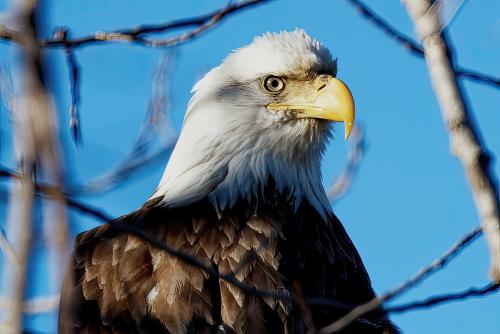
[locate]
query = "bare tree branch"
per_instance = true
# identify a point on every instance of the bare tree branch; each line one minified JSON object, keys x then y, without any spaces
{"x":133,"y":35}
{"x":465,"y":138}
{"x":136,"y":35}
{"x":414,"y":47}
{"x":74,"y":78}
{"x":343,"y":182}
{"x":8,"y":249}
{"x":422,"y":274}
{"x":36,"y":143}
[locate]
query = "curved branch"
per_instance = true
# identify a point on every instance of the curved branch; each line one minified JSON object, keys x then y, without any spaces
{"x":136,"y":35}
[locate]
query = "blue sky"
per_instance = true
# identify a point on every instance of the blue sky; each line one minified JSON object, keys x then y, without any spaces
{"x":410,"y":201}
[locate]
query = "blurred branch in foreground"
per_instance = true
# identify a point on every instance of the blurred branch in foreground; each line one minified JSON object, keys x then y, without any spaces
{"x":35,"y":144}
{"x":8,"y":249}
{"x":465,"y":136}
{"x":414,"y":47}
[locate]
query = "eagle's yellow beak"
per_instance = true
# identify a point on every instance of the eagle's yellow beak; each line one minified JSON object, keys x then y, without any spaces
{"x":330,"y":100}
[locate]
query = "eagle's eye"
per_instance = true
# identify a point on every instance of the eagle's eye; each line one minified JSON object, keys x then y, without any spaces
{"x":274,"y":84}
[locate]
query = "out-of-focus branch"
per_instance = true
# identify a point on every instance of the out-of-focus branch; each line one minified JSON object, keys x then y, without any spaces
{"x":465,"y":138}
{"x":36,"y":305}
{"x":422,"y":274}
{"x":8,"y":250}
{"x":22,"y":193}
{"x":136,"y":35}
{"x":35,"y":143}
{"x":343,"y":182}
{"x":414,"y":47}
{"x":9,"y":35}
{"x":156,"y":125}
{"x":445,"y":298}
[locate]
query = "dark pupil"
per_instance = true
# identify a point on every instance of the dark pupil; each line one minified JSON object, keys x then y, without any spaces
{"x":275,"y":83}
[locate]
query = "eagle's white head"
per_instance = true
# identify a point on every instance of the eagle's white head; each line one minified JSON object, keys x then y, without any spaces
{"x":261,"y":117}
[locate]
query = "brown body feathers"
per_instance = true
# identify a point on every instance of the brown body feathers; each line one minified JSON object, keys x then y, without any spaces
{"x":119,"y":283}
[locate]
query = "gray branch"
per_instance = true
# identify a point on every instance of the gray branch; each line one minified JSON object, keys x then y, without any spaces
{"x":36,"y":144}
{"x":465,"y":138}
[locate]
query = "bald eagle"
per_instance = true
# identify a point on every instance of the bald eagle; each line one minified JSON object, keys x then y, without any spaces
{"x":244,"y":178}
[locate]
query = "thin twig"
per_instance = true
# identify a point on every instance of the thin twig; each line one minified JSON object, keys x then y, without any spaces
{"x":8,"y":249}
{"x":136,"y":35}
{"x":422,"y":274}
{"x":427,"y":303}
{"x":465,"y":136}
{"x":414,"y":47}
{"x":343,"y":182}
{"x":74,"y":78}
